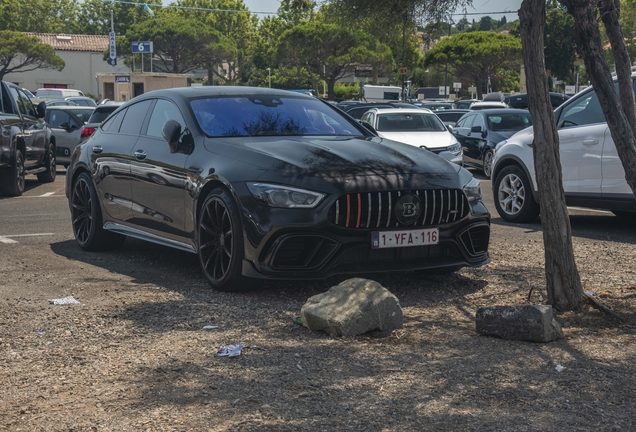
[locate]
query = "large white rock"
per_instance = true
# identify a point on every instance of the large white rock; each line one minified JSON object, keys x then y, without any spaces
{"x":354,"y":307}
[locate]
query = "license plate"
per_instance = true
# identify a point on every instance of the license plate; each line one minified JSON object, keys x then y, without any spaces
{"x":408,"y":238}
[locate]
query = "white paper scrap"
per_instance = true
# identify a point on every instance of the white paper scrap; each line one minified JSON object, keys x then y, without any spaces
{"x":64,"y":301}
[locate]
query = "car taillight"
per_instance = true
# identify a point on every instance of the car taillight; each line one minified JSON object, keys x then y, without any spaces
{"x":87,"y":132}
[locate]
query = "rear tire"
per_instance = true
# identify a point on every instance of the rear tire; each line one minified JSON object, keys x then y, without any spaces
{"x":513,"y":196}
{"x":86,"y":216}
{"x":16,"y":177}
{"x":221,"y":250}
{"x":48,"y":176}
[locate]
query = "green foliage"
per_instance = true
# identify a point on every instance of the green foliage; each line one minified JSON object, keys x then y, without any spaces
{"x":628,"y":25}
{"x":475,"y":56}
{"x":180,"y":44}
{"x":560,"y":46}
{"x":94,"y":16}
{"x":22,"y":53}
{"x":39,"y":16}
{"x":327,"y":51}
{"x":343,"y":91}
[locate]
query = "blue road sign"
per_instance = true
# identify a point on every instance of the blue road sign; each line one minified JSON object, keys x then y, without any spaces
{"x":142,"y":47}
{"x":112,"y":61}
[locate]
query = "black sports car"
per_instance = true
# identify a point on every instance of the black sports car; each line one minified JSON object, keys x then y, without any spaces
{"x":270,"y":184}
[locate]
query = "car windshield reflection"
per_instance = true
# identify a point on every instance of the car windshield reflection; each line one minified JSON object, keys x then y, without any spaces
{"x":268,"y":116}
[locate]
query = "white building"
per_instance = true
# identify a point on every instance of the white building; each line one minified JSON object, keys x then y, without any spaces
{"x":84,"y":57}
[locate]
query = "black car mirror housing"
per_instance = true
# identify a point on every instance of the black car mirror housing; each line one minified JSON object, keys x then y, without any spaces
{"x":475,"y":129}
{"x":171,"y":132}
{"x":41,"y":109}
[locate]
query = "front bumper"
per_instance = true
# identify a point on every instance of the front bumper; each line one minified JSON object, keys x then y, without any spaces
{"x":307,"y":244}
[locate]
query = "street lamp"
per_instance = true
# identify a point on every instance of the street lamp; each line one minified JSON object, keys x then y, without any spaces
{"x":269,"y":76}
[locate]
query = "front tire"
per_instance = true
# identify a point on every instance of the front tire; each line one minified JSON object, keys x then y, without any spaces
{"x":16,"y":177}
{"x":221,"y":249}
{"x":487,"y":163}
{"x":86,"y":215}
{"x":48,"y":176}
{"x":513,"y":196}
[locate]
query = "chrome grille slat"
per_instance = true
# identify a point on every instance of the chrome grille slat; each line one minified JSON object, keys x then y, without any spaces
{"x":369,"y":211}
{"x":388,"y":221}
{"x":379,"y":209}
{"x":438,"y":206}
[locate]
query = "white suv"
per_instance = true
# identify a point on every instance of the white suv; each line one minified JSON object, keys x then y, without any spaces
{"x":593,"y":175}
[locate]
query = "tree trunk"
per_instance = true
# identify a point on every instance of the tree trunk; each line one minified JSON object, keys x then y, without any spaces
{"x":562,"y":277}
{"x":619,"y":112}
{"x":331,"y":84}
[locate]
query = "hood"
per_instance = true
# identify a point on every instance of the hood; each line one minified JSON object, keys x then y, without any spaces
{"x":338,"y":160}
{"x":430,"y":140}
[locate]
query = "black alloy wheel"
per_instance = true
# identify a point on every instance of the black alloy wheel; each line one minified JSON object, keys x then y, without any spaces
{"x":221,"y":250}
{"x":48,"y":176}
{"x":86,"y":217}
{"x":16,"y":174}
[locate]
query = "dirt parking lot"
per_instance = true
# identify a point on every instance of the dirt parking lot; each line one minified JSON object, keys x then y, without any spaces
{"x":133,"y":355}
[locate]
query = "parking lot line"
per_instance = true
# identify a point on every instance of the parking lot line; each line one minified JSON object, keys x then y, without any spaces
{"x":6,"y":240}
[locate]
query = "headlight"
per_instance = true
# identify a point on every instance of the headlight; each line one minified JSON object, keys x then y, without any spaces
{"x":455,"y":149}
{"x":499,"y":145}
{"x":473,"y":190}
{"x":284,"y":196}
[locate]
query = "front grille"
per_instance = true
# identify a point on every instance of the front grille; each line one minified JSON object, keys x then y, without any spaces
{"x":377,"y":209}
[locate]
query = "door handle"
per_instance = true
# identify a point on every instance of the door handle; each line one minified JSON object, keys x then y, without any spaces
{"x":590,"y":142}
{"x":140,"y":154}
{"x":97,"y":149}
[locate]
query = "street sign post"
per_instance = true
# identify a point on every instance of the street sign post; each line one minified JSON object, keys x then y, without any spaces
{"x":112,"y":41}
{"x":142,"y":48}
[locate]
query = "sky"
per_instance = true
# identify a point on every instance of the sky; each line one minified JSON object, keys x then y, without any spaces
{"x":480,"y":7}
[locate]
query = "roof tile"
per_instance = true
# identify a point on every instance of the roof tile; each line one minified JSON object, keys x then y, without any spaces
{"x":74,"y":42}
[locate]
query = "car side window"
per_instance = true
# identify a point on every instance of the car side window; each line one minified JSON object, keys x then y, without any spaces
{"x":479,"y":121}
{"x":163,"y":111}
{"x":24,"y":103}
{"x":134,"y":118}
{"x":57,"y":118}
{"x":113,"y":123}
{"x":584,"y":111}
{"x":468,"y":121}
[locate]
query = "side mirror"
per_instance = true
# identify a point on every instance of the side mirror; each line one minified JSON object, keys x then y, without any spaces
{"x":41,"y":109}
{"x":66,"y":126}
{"x":171,"y":132}
{"x":475,"y":129}
{"x":450,"y":128}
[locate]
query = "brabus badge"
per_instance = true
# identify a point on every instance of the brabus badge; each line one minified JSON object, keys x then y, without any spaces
{"x":407,"y":209}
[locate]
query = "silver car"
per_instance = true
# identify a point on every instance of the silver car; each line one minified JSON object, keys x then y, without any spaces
{"x":66,"y":123}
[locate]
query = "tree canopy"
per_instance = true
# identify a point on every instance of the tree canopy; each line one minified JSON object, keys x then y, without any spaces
{"x":476,"y":56}
{"x":328,"y":51}
{"x":181,"y":45}
{"x":23,"y":53}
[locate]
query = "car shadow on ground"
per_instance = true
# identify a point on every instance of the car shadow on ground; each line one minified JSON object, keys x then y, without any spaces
{"x":179,"y":272}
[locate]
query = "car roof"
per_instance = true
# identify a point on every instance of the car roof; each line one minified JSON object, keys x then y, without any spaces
{"x":453,"y":111}
{"x":72,"y":107}
{"x":401,"y":111}
{"x":502,"y":111}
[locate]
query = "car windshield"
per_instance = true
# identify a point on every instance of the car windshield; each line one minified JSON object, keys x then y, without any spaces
{"x":508,"y":122}
{"x":261,"y":115}
{"x":83,"y":114}
{"x":409,"y":122}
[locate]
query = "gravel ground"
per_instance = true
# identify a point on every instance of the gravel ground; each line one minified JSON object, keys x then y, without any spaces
{"x":133,"y":356}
